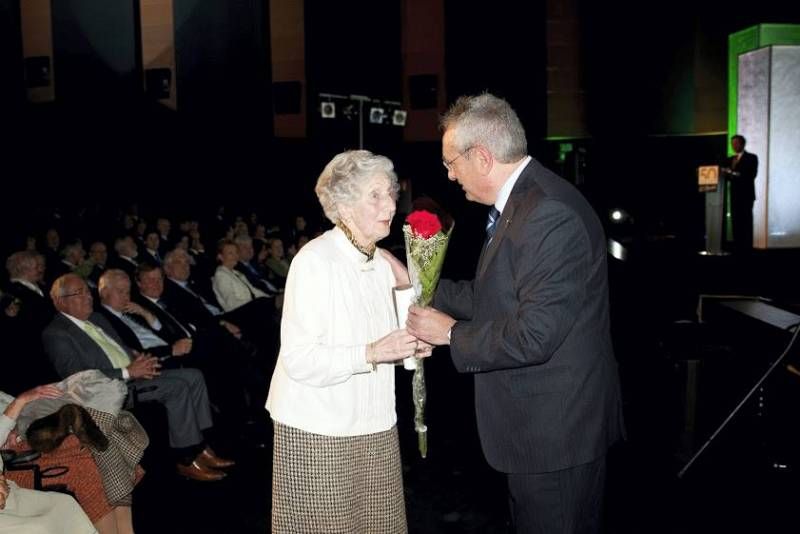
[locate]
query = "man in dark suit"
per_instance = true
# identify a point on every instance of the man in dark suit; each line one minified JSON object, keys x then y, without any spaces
{"x":26,"y":270}
{"x":78,"y":339}
{"x":742,"y":170}
{"x":138,"y":328}
{"x":533,"y":326}
{"x":126,"y":254}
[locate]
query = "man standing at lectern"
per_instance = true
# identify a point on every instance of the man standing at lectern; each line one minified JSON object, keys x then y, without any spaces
{"x":742,"y":170}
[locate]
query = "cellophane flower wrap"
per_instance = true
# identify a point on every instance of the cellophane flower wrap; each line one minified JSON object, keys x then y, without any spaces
{"x":426,"y":244}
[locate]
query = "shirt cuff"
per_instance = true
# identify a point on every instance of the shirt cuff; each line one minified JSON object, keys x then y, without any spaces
{"x":125,"y":374}
{"x":360,"y":363}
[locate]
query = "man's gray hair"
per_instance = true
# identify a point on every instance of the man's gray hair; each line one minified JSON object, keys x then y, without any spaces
{"x":342,"y":179}
{"x":172,"y":255}
{"x":111,"y":278}
{"x":242,"y":238}
{"x":488,"y":121}
{"x":73,"y":246}
{"x":20,"y":262}
{"x":57,"y":289}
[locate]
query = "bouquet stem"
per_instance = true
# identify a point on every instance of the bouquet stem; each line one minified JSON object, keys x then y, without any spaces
{"x":418,"y":393}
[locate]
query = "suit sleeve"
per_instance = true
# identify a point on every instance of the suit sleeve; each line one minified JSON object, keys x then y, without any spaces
{"x":66,"y":357}
{"x":549,"y":274}
{"x":455,"y":298}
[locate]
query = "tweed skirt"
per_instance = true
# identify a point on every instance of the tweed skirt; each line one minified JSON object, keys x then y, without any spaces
{"x":337,"y":485}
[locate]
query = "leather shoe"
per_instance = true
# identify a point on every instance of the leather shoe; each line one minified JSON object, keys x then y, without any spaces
{"x":207,"y":458}
{"x":195,"y":471}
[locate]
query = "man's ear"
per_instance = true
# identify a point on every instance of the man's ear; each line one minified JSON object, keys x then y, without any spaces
{"x":484,"y":158}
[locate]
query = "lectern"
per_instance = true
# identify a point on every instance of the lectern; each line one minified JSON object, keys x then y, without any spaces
{"x":710,"y":184}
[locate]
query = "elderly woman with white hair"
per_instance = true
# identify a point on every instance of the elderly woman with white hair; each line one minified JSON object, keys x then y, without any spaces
{"x":336,"y":458}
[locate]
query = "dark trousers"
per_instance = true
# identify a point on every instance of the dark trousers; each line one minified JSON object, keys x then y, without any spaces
{"x":183,"y":393}
{"x":742,"y":224}
{"x":569,"y":501}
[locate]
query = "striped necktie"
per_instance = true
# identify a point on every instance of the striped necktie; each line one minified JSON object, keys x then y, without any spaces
{"x":491,"y":223}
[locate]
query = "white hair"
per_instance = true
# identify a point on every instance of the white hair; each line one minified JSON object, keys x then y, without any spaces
{"x":341,"y":180}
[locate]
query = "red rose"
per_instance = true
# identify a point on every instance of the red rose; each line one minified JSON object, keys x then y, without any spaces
{"x":424,"y":223}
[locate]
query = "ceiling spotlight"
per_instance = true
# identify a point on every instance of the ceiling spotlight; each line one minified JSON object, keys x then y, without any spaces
{"x":328,"y":110}
{"x":377,"y":115}
{"x":618,"y":216}
{"x":399,"y":117}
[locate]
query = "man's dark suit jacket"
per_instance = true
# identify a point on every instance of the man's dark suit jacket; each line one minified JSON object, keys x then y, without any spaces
{"x":23,"y":340}
{"x":115,"y":262}
{"x":743,"y":188}
{"x":534,"y":330}
{"x":172,"y":328}
{"x":129,"y":337}
{"x":186,"y":307}
{"x":71,"y":350}
{"x":36,"y":311}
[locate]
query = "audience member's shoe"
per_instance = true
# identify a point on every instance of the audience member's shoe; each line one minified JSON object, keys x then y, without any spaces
{"x":207,"y":458}
{"x":195,"y":471}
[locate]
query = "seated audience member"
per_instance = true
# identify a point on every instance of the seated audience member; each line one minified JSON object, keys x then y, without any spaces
{"x":71,"y":261}
{"x":151,"y":253}
{"x":244,"y":246}
{"x":34,"y":311}
{"x":98,"y":255}
{"x":231,"y":287}
{"x":277,"y":265}
{"x":137,"y":327}
{"x":78,"y":339}
{"x":146,"y":325}
{"x":28,"y":511}
{"x":165,"y":239}
{"x":127,"y":252}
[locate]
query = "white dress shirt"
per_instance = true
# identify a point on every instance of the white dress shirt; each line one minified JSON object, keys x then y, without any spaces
{"x":335,"y":304}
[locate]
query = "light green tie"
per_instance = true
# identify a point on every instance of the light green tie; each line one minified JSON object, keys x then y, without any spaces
{"x":119,"y":359}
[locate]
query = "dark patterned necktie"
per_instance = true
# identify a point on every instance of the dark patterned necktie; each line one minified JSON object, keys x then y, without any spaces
{"x":491,"y":223}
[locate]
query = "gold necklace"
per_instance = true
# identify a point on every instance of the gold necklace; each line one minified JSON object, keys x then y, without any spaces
{"x":368,"y":252}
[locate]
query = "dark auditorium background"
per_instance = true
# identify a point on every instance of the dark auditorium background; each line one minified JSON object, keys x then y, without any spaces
{"x":625,"y":100}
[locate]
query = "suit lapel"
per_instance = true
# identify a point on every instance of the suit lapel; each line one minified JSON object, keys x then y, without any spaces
{"x":525,"y":181}
{"x":491,"y":249}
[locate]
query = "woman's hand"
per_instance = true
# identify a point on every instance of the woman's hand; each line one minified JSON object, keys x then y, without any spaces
{"x":49,"y":391}
{"x":392,"y":347}
{"x":399,"y":270}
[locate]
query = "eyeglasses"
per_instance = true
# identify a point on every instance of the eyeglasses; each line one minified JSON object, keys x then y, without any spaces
{"x":449,"y":164}
{"x":76,"y":294}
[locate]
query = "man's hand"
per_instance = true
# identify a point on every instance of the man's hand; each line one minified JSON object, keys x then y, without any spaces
{"x":182,"y":347}
{"x":232,"y":328}
{"x":135,"y":309}
{"x":429,"y":325}
{"x":144,"y":366}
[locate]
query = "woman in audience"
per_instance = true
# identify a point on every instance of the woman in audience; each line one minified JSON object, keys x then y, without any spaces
{"x":25,"y":511}
{"x":336,"y":458}
{"x":83,"y":477}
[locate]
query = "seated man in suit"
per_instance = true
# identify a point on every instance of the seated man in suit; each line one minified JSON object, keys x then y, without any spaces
{"x":137,"y":327}
{"x":78,"y":339}
{"x":35,"y":311}
{"x":244,"y":245}
{"x":148,"y":327}
{"x":127,"y":252}
{"x":26,"y":273}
